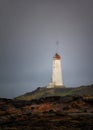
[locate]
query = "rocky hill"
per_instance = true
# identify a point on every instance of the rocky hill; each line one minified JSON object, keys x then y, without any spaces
{"x":47,"y":92}
{"x":48,"y":113}
{"x":49,"y":109}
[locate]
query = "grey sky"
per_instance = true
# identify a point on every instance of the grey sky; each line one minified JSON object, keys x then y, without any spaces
{"x":29,"y":30}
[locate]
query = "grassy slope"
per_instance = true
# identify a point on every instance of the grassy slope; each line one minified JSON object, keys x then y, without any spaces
{"x":45,"y":92}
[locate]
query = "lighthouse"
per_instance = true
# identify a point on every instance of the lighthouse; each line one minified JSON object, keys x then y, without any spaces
{"x":56,"y":72}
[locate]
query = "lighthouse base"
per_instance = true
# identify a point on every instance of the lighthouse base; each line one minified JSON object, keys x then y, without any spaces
{"x":53,"y":85}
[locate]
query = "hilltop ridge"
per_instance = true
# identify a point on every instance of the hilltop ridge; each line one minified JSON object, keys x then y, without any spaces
{"x":41,"y":92}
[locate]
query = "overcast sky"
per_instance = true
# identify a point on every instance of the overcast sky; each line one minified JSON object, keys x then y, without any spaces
{"x":29,"y":30}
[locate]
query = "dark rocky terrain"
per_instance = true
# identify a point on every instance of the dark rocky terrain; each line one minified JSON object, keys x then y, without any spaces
{"x":47,"y":113}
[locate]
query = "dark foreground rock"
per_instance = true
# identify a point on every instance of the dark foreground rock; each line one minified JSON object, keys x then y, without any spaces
{"x":50,"y":113}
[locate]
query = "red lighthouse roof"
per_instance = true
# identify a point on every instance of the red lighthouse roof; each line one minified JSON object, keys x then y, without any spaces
{"x":57,"y":56}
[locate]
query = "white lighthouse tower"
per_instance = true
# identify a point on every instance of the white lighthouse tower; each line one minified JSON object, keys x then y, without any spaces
{"x":56,"y":72}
